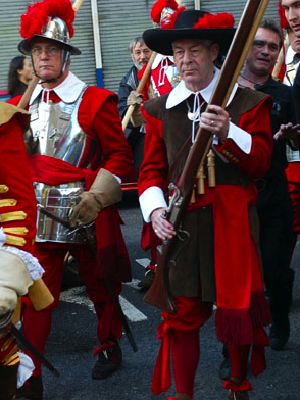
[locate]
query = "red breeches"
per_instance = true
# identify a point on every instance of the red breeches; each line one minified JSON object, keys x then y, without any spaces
{"x":37,"y":324}
{"x":179,"y":334}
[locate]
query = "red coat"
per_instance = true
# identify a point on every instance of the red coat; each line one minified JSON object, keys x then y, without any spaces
{"x":16,"y":190}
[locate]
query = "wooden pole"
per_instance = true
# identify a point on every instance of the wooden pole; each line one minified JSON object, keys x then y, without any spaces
{"x":139,"y":89}
{"x":24,"y":101}
{"x":76,"y":5}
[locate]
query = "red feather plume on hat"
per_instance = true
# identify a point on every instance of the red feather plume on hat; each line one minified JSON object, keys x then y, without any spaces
{"x":159,"y":6}
{"x":215,"y":21}
{"x":32,"y":22}
{"x":284,"y":23}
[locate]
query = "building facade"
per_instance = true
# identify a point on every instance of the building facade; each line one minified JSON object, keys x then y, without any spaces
{"x":103,"y":30}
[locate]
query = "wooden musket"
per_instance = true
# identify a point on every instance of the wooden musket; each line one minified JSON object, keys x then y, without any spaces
{"x":160,"y":294}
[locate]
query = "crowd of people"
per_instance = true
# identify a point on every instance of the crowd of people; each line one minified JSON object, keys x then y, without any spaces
{"x":239,"y":222}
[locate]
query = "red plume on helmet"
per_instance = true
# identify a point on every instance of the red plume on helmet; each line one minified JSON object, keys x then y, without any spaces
{"x":173,"y":10}
{"x":33,"y":22}
{"x":284,"y":23}
{"x":159,"y":5}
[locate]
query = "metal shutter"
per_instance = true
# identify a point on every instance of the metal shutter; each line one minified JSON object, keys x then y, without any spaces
{"x":83,"y":65}
{"x":236,"y":7}
{"x":9,"y":34}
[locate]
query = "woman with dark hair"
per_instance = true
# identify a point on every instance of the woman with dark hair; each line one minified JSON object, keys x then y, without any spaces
{"x":19,"y":75}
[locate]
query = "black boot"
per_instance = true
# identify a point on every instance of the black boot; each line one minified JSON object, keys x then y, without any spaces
{"x":280,"y":301}
{"x":279,"y":333}
{"x":148,"y":279}
{"x":32,"y":389}
{"x":238,"y":395}
{"x":225,"y":366}
{"x":109,"y":359}
{"x":8,"y":382}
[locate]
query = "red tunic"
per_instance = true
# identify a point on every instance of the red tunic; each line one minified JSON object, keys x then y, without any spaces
{"x":16,"y":190}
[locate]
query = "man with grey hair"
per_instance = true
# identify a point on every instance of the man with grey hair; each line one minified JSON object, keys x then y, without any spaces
{"x":140,"y":54}
{"x":77,"y":144}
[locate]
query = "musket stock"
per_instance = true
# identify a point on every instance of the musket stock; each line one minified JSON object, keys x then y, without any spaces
{"x":159,"y":293}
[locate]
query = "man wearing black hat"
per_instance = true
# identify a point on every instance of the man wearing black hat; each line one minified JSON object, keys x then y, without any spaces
{"x":79,"y":155}
{"x":220,"y":261}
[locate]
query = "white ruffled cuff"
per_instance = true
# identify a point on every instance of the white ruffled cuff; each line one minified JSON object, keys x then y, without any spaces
{"x":25,"y":369}
{"x":35,"y":269}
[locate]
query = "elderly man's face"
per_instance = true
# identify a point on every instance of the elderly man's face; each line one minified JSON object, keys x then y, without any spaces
{"x":195,"y":62}
{"x":292,"y":13}
{"x":47,"y":59}
{"x":140,"y":55}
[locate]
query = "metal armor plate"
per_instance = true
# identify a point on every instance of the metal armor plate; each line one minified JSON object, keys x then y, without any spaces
{"x":58,"y":200}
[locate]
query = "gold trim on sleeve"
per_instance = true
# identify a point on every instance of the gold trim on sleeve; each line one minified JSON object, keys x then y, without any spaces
{"x":7,"y":202}
{"x":13,"y":216}
{"x":16,"y":230}
{"x":4,"y":189}
{"x":15,"y":240}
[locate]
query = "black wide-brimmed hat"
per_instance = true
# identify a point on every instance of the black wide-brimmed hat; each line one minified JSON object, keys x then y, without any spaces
{"x":193,"y":24}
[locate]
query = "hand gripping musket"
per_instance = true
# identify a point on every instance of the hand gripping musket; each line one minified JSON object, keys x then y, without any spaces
{"x":160,"y":294}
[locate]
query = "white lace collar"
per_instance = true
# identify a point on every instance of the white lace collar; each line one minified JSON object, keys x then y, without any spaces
{"x":69,"y":90}
{"x":180,"y":93}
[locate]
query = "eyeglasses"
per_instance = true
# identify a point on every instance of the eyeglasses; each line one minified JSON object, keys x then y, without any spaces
{"x":259,"y":44}
{"x":50,"y":51}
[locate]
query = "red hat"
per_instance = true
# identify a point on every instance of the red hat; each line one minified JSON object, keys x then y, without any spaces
{"x":284,"y":23}
{"x":165,"y":12}
{"x":50,"y":19}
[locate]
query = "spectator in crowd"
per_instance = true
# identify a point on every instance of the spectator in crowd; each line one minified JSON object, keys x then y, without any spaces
{"x":135,"y":133}
{"x":20,"y":74}
{"x":274,"y":205}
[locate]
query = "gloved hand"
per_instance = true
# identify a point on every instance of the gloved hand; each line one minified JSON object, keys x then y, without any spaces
{"x":104,"y":192}
{"x":134,"y":98}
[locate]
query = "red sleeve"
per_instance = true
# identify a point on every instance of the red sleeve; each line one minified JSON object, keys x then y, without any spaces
{"x":257,"y":123}
{"x":15,"y":175}
{"x":99,"y":117}
{"x":153,"y":171}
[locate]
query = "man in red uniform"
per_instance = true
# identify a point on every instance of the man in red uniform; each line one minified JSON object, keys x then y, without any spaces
{"x":18,"y":269}
{"x":77,"y":148}
{"x":220,"y":261}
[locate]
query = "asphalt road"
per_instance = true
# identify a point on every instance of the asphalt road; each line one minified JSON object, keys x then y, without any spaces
{"x":73,"y":338}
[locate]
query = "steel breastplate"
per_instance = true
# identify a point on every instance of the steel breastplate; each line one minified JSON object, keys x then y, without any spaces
{"x":56,"y":132}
